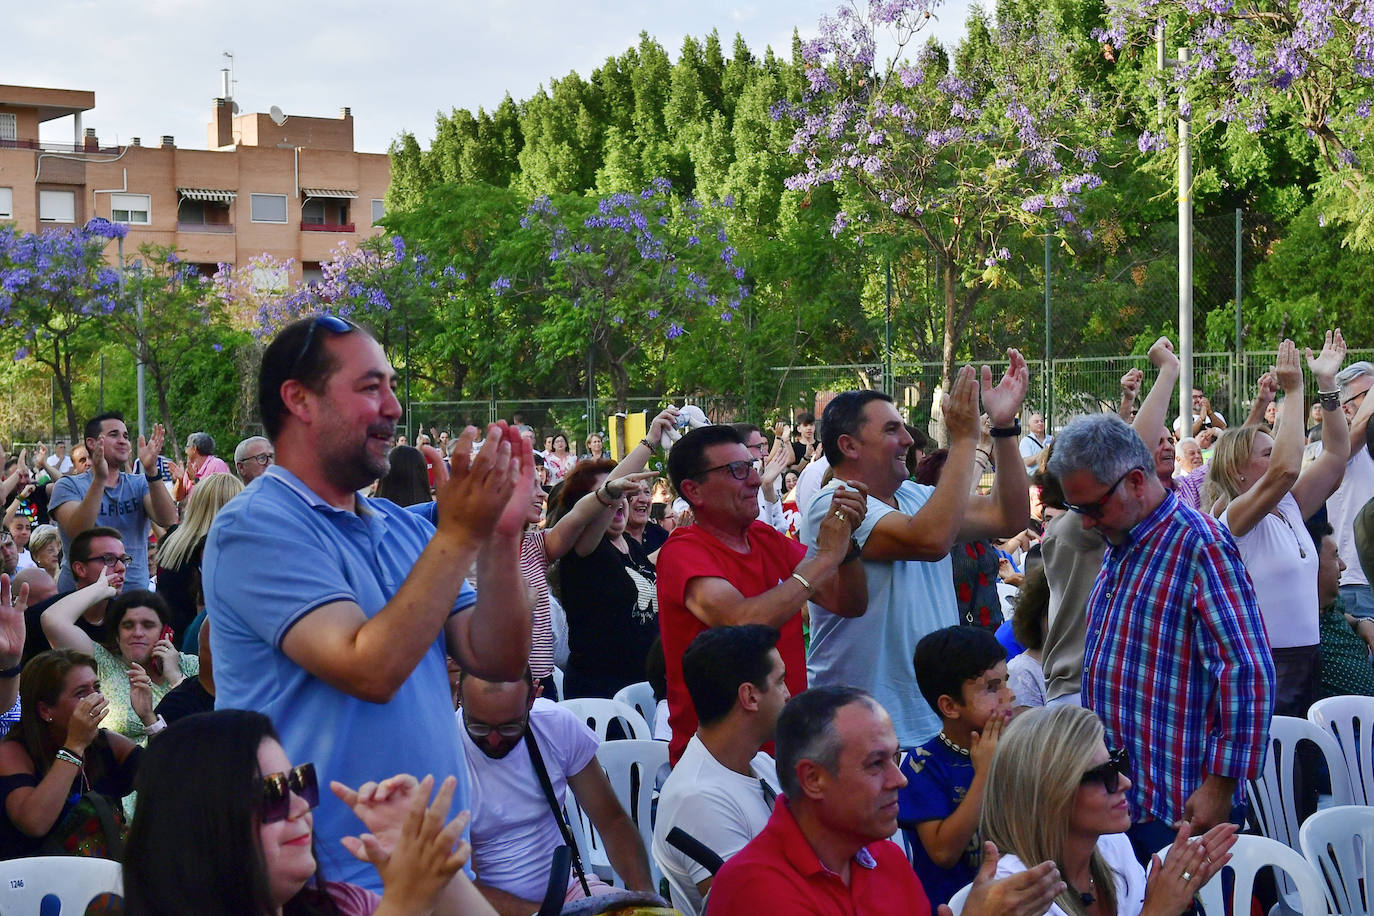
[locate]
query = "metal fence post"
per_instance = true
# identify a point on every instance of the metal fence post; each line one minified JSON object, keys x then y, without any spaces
{"x":1047,"y":373}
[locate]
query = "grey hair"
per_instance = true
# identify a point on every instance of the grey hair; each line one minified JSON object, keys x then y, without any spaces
{"x":1350,"y":373}
{"x":202,"y":442}
{"x":806,"y":731}
{"x":1101,"y":443}
{"x":242,"y":450}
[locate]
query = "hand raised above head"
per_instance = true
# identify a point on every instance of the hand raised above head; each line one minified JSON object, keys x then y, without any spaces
{"x":1162,"y":354}
{"x":960,"y":406}
{"x":1325,"y":365}
{"x":1003,"y":402}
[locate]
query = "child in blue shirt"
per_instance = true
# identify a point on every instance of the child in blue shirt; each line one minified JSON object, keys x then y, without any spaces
{"x":962,"y":673}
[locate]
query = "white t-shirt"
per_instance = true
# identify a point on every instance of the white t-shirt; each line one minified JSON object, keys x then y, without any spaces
{"x":1116,"y":850}
{"x":1281,"y":559}
{"x":512,"y":829}
{"x":809,"y":481}
{"x":721,"y":808}
{"x":1356,"y":489}
{"x":1027,"y":680}
{"x":1030,"y":446}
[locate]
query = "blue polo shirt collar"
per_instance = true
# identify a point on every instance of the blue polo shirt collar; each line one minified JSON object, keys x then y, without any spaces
{"x":312,"y":499}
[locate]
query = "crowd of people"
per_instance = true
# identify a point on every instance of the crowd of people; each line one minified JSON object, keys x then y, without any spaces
{"x":1032,"y":660}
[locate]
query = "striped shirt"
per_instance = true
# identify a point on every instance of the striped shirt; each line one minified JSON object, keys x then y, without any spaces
{"x":1177,"y":662}
{"x":534,"y":569}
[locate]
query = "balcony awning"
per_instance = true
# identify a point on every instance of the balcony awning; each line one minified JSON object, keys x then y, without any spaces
{"x":210,"y":194}
{"x":329,"y":192}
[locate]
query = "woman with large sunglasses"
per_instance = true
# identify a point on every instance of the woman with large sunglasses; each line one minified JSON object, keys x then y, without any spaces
{"x":1054,"y":792}
{"x":223,"y":828}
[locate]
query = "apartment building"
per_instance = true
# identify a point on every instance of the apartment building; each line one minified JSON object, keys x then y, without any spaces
{"x":286,"y":185}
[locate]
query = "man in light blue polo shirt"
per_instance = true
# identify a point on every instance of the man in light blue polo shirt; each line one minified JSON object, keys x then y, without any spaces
{"x":907,"y":533}
{"x":331,"y":613}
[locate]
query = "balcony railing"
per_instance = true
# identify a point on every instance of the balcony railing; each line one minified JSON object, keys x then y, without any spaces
{"x":327,"y":227}
{"x":217,"y":228}
{"x":54,"y":147}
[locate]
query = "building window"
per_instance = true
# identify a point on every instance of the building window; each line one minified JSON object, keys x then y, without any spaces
{"x":130,"y":208}
{"x":269,"y":208}
{"x":9,"y":126}
{"x":312,"y":212}
{"x":6,"y":203}
{"x":57,"y":206}
{"x":378,"y":210}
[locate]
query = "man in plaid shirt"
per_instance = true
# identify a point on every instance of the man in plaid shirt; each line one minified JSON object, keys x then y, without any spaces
{"x":1177,"y":663}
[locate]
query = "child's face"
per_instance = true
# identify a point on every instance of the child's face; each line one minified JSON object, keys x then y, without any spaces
{"x":986,"y":696}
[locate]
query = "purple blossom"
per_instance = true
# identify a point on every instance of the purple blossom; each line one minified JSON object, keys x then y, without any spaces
{"x":674,"y":331}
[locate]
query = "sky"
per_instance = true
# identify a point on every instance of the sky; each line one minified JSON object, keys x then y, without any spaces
{"x":154,"y":65}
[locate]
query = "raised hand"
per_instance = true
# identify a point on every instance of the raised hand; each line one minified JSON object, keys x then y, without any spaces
{"x":1287,"y":369}
{"x":1325,"y":366}
{"x":100,"y":467}
{"x":382,"y":807}
{"x":662,"y":425}
{"x":472,"y":500}
{"x":1267,"y":387}
{"x":141,"y":693}
{"x":1003,"y":403}
{"x":424,"y":859}
{"x":149,"y":449}
{"x":1027,"y":893}
{"x":629,"y":484}
{"x":512,"y":521}
{"x":1162,"y":354}
{"x":1130,"y":383}
{"x":12,"y":627}
{"x":779,"y":457}
{"x":960,"y":406}
{"x":1172,"y":884}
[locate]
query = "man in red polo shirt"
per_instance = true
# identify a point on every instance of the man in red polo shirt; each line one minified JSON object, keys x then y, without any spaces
{"x":729,"y":569}
{"x":825,"y":850}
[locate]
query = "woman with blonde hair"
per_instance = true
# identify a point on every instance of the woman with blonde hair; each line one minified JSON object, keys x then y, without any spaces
{"x":1257,"y":487}
{"x":1054,"y":792}
{"x":45,"y":546}
{"x":178,"y":559}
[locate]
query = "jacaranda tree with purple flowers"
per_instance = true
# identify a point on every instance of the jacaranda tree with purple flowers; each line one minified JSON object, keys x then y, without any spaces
{"x":56,"y":289}
{"x":955,"y":162}
{"x":1307,"y":64}
{"x":625,"y":275}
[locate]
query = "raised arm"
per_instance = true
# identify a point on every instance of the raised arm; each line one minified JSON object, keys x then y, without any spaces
{"x":1006,"y":511}
{"x":1154,"y":412}
{"x":158,"y":503}
{"x":637,"y":458}
{"x":59,"y":620}
{"x":1265,"y":393}
{"x":1323,"y":475}
{"x":929,"y":534}
{"x":12,"y":633}
{"x":1249,"y":508}
{"x":75,"y":517}
{"x":583,"y":526}
{"x":369,"y":658}
{"x":1130,"y":393}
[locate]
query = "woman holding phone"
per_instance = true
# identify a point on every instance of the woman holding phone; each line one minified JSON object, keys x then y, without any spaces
{"x":138,"y":662}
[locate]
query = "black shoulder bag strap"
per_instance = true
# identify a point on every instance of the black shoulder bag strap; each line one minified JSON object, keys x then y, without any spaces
{"x":537,"y":760}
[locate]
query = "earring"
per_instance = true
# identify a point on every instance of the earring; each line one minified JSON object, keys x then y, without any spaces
{"x":1242,"y":478}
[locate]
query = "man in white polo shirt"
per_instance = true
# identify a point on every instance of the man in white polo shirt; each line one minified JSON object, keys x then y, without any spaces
{"x":721,"y":792}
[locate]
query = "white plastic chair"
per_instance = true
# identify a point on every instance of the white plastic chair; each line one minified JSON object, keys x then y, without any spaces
{"x":640,"y":698}
{"x":599,"y":713}
{"x":73,"y":881}
{"x":1350,"y":720}
{"x":1273,"y":796}
{"x":631,"y":767}
{"x":1339,"y":842}
{"x":558,"y":680}
{"x":1248,"y":856}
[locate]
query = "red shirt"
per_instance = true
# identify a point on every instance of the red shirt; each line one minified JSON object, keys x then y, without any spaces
{"x":690,"y":553}
{"x":779,"y":872}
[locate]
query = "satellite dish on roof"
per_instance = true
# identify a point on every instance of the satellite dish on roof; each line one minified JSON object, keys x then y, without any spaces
{"x":234,"y":106}
{"x":275,"y":113}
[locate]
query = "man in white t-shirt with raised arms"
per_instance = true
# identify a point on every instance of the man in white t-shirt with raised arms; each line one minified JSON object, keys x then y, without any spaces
{"x":1357,"y":487}
{"x":513,"y":830}
{"x":721,"y":792}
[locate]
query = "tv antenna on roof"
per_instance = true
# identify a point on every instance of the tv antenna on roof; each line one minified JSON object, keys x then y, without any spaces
{"x":230,"y":84}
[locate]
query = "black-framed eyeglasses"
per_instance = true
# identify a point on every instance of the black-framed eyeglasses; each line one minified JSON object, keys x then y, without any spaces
{"x":1109,"y":773}
{"x":277,"y":789}
{"x":331,"y":323}
{"x":108,"y":560}
{"x":738,"y":469}
{"x":1094,"y":510}
{"x":506,"y":730}
{"x":1354,"y":397}
{"x":262,"y":460}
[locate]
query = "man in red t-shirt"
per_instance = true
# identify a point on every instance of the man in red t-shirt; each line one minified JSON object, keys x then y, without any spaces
{"x":730,"y":569}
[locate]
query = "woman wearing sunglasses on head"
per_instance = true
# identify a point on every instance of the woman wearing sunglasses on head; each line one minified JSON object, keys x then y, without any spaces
{"x":1055,"y":792}
{"x":223,"y":828}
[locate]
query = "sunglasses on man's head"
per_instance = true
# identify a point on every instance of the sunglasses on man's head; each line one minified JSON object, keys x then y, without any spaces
{"x":1109,"y":773}
{"x":277,"y":789}
{"x":331,"y":323}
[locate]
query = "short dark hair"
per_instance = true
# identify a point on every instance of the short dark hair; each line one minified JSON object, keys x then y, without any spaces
{"x":843,"y":417}
{"x":279,"y":365}
{"x":1318,"y":527}
{"x":719,"y":659}
{"x":1032,"y":604}
{"x":92,"y":428}
{"x":946,"y":658}
{"x":806,"y":731}
{"x":685,"y":459}
{"x":124,"y":602}
{"x":744,"y":429}
{"x":80,"y":549}
{"x":805,"y":417}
